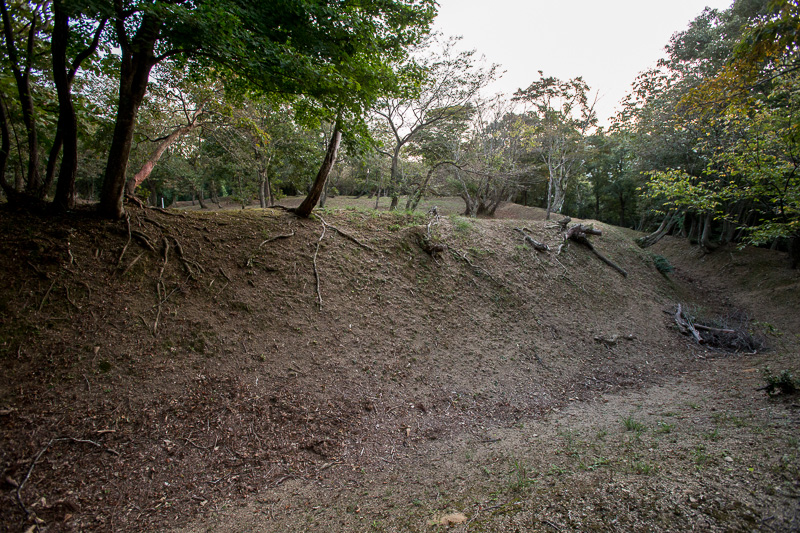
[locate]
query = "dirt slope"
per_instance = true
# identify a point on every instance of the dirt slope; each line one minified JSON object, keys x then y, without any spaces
{"x":145,"y":388}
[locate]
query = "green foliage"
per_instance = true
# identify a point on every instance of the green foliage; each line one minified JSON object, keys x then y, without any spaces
{"x":783,"y":383}
{"x":729,"y":94}
{"x":662,"y":264}
{"x":632,"y":424}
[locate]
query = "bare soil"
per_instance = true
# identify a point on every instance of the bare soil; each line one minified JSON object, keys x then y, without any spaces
{"x":252,"y":373}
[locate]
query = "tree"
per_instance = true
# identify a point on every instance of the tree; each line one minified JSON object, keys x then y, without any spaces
{"x":178,"y":106}
{"x":452,"y":80}
{"x":562,"y":115}
{"x":337,"y":55}
{"x":751,"y":182}
{"x":671,"y":136}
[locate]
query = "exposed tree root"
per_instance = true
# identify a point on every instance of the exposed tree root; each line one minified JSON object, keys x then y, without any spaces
{"x":578,"y":234}
{"x":276,"y":237}
{"x":314,"y":262}
{"x":363,"y":245}
{"x":142,"y":238}
{"x":124,"y":248}
{"x":463,"y":257}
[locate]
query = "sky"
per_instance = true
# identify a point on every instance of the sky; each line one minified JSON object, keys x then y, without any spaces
{"x":608,"y":42}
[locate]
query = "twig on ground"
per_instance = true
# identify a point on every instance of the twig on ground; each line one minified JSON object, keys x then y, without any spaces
{"x":46,"y":294}
{"x":130,"y":265}
{"x":36,"y":269}
{"x":224,"y":275}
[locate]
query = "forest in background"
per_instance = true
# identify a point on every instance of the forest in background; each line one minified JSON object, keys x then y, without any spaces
{"x":167,"y":101}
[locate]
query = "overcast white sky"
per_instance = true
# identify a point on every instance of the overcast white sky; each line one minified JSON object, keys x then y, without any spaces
{"x":608,"y":42}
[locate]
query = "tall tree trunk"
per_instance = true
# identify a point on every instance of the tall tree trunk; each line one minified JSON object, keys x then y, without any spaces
{"x":22,"y":78}
{"x":692,"y":235}
{"x":5,"y":150}
{"x":67,"y":132}
{"x":327,"y":164}
{"x":262,"y":192}
{"x":794,"y":251}
{"x":136,"y":63}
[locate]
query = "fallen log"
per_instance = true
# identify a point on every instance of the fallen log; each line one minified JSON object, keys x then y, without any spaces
{"x":538,"y":246}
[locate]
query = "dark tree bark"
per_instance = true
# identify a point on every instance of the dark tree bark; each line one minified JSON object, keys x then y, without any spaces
{"x":705,"y":238}
{"x":665,"y":227}
{"x":67,"y":129}
{"x":327,"y":164}
{"x":794,"y":251}
{"x":5,"y":151}
{"x":22,"y":78}
{"x":137,"y":60}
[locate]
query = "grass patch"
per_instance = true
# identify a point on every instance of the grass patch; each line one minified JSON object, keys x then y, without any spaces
{"x":632,"y":424}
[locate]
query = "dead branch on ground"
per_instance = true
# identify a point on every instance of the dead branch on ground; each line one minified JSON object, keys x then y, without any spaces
{"x":46,"y":294}
{"x":734,"y":335}
{"x":685,"y":325}
{"x":538,"y":246}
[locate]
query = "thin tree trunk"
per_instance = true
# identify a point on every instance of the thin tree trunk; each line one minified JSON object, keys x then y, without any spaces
{"x":414,"y":199}
{"x":262,"y":193}
{"x":705,"y":239}
{"x":327,"y":164}
{"x":665,"y":227}
{"x":5,"y":150}
{"x":22,"y":78}
{"x":67,"y":132}
{"x":149,"y":165}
